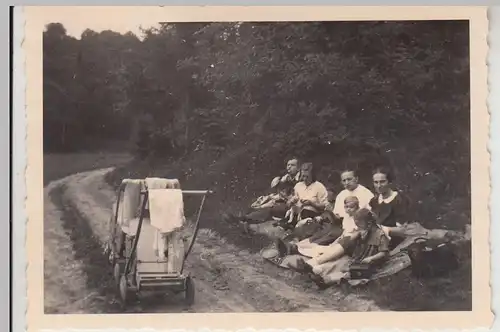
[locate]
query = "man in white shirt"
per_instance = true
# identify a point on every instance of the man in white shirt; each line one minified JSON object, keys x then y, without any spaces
{"x":350,"y":180}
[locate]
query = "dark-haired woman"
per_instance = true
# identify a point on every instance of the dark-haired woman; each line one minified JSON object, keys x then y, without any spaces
{"x":389,"y":205}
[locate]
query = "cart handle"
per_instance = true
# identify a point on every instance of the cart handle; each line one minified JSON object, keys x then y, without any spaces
{"x":136,"y":238}
{"x":195,"y":233}
{"x":198,"y":192}
{"x":188,"y":192}
{"x":118,"y":198}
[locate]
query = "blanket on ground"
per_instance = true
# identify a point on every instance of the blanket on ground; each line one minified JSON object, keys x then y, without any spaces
{"x":336,"y":271}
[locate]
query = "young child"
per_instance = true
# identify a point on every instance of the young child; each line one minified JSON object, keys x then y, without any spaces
{"x":367,"y":245}
{"x":372,"y":244}
{"x":351,"y":206}
{"x":322,"y":235}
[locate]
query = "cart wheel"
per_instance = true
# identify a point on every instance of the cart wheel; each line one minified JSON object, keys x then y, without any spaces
{"x":189,"y":292}
{"x":116,"y":275}
{"x":123,"y":290}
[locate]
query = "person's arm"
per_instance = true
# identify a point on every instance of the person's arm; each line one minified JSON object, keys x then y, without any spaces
{"x":401,"y":208}
{"x":367,"y":198}
{"x":375,"y":258}
{"x":322,"y":199}
{"x":293,"y":199}
{"x":383,"y":251}
{"x":338,"y":208}
{"x":268,"y":203}
{"x":285,"y":178}
{"x":398,"y":231}
{"x":259,"y":201}
{"x":317,"y":205}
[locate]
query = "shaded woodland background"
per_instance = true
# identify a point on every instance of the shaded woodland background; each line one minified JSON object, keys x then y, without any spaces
{"x":229,"y":102}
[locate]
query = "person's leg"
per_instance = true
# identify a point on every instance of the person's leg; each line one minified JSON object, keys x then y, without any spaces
{"x":303,"y":215}
{"x":334,"y":252}
{"x":395,"y":241}
{"x":331,"y":253}
{"x":258,"y":216}
{"x":308,"y":214}
{"x":285,"y":248}
{"x":321,"y":232}
{"x":328,"y":235}
{"x":397,"y":231}
{"x":345,"y":245}
{"x":306,"y":231}
{"x":279,"y":210}
{"x":326,"y":240}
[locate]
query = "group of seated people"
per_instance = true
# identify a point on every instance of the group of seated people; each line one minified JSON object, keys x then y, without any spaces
{"x":356,"y":222}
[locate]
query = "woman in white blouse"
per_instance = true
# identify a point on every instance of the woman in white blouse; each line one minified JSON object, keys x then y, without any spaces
{"x":310,"y":196}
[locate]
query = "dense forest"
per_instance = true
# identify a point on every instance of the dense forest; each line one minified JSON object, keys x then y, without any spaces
{"x":247,"y":95}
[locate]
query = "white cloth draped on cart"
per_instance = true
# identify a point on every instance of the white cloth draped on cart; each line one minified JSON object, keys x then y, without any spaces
{"x":166,"y":209}
{"x":161,"y":183}
{"x":130,"y":202}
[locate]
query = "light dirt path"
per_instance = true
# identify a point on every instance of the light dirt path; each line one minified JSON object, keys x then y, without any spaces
{"x":227,"y":278}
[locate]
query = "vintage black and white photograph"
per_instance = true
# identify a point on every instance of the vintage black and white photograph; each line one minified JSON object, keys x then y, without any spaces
{"x":246,"y":166}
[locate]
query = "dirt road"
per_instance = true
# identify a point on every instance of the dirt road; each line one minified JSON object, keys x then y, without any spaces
{"x":227,"y":278}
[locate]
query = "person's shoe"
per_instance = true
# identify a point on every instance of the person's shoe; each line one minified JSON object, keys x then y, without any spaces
{"x":280,"y":223}
{"x":284,"y":224}
{"x":302,"y":266}
{"x":282,"y":247}
{"x":318,"y":280}
{"x":292,"y":249}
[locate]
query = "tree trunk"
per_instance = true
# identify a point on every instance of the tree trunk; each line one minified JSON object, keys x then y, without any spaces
{"x":186,"y":121}
{"x":63,"y":135}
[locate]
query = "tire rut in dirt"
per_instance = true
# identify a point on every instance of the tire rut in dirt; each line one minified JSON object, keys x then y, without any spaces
{"x":244,"y":274}
{"x":88,"y":250}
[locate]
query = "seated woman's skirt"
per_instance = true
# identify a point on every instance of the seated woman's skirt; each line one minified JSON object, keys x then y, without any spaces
{"x":319,"y":233}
